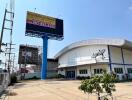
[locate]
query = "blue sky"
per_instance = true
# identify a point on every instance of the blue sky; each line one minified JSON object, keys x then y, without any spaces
{"x":83,"y":19}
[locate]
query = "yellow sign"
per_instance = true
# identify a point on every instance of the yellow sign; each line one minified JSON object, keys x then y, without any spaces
{"x":41,"y":20}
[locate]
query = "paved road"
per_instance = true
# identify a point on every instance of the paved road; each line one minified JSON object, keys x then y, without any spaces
{"x":61,"y":90}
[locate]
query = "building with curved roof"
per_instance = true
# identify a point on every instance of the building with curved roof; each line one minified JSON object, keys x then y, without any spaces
{"x":89,"y":57}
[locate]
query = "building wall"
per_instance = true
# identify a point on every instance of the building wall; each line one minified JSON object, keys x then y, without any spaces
{"x":115,"y":54}
{"x":121,"y":58}
{"x":90,"y":69}
{"x":52,"y":68}
{"x":84,"y":67}
{"x":82,"y":55}
{"x":128,"y":66}
{"x":61,"y":71}
{"x":127,"y":56}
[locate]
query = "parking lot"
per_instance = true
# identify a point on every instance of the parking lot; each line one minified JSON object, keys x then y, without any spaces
{"x":61,"y":90}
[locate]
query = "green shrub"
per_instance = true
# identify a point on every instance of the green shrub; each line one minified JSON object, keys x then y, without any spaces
{"x":83,"y":77}
{"x":33,"y":78}
{"x":99,"y":84}
{"x":13,"y":79}
{"x":60,"y":76}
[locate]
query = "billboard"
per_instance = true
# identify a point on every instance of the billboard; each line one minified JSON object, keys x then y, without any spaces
{"x":37,"y":25}
{"x":28,"y":55}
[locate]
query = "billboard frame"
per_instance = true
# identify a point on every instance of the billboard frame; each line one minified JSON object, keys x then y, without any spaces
{"x":39,"y":34}
{"x":24,"y":59}
{"x":49,"y":32}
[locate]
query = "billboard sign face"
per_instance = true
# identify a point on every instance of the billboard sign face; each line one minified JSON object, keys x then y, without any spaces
{"x":38,"y":25}
{"x":28,"y":55}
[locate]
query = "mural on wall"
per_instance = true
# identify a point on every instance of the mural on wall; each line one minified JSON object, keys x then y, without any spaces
{"x":99,"y":53}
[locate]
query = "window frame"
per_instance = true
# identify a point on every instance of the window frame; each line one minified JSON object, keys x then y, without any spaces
{"x":98,"y":71}
{"x":83,"y":71}
{"x":129,"y":71}
{"x":118,"y":70}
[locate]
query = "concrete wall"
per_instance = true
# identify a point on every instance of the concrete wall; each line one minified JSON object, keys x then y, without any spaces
{"x":82,"y":58}
{"x":82,"y":55}
{"x":119,"y":55}
{"x":61,"y":71}
{"x":52,"y":68}
{"x":127,"y":56}
{"x":4,"y":81}
{"x":115,"y":54}
{"x":31,"y":75}
{"x":128,"y":66}
{"x":90,"y":69}
{"x":84,"y":67}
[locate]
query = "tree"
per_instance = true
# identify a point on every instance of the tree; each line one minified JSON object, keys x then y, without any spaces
{"x":99,"y":84}
{"x":92,"y":86}
{"x":108,"y":82}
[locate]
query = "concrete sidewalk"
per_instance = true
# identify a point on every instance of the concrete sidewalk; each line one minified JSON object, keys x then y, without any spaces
{"x":61,"y":90}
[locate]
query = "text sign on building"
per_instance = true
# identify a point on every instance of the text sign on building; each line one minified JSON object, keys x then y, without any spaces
{"x":38,"y":25}
{"x":28,"y":55}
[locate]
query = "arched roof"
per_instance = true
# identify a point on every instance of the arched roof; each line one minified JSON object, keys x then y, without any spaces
{"x":113,"y":42}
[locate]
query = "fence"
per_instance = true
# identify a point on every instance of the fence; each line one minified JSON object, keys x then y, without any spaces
{"x":4,"y":81}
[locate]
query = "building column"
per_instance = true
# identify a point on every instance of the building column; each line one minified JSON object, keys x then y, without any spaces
{"x":109,"y":58}
{"x":123,"y":60}
{"x":44,"y":59}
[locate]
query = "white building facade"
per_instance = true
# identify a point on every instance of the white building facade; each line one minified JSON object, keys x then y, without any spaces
{"x":90,"y":57}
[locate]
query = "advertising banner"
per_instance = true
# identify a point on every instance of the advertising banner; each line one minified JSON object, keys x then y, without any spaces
{"x":38,"y":25}
{"x":28,"y":55}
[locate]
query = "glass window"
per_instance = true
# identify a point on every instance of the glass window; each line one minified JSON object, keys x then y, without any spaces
{"x":129,"y":70}
{"x":118,"y":70}
{"x":84,"y":71}
{"x":98,"y":71}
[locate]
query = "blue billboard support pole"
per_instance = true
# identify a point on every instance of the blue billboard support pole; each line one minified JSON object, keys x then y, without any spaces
{"x":44,"y":58}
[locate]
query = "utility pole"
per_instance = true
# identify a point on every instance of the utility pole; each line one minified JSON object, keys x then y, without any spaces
{"x":13,"y":61}
{"x":9,"y":53}
{"x":5,"y":28}
{"x":3,"y":25}
{"x":25,"y":61}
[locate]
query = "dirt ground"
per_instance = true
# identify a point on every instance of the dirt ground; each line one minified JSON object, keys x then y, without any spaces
{"x":61,"y":90}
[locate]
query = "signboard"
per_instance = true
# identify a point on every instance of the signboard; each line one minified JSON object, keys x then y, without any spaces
{"x":38,"y":25}
{"x":28,"y":55}
{"x":24,"y":53}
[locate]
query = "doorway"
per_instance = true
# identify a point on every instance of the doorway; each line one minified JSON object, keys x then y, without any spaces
{"x":70,"y":74}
